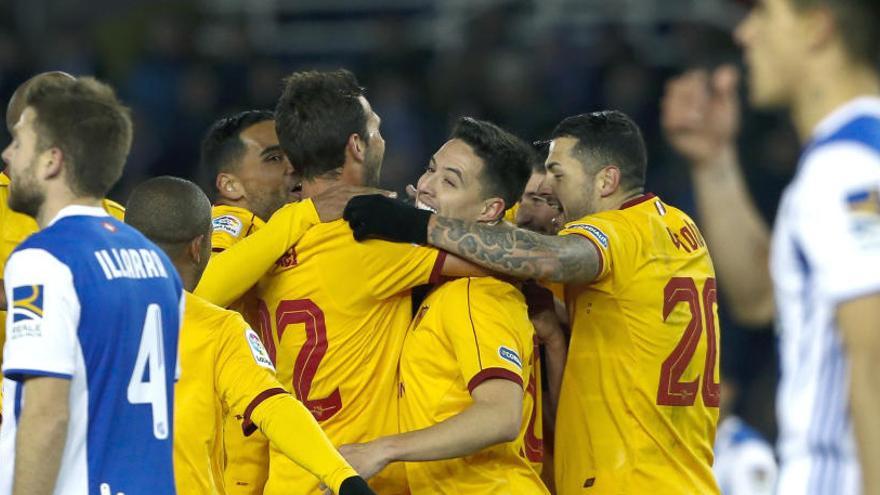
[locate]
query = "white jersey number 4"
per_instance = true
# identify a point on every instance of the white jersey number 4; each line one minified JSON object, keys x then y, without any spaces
{"x":152,"y":391}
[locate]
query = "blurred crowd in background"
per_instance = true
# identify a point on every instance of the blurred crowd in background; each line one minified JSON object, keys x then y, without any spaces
{"x":524,"y":64}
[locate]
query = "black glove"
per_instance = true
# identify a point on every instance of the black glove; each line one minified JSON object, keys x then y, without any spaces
{"x":355,"y":486}
{"x":375,"y":215}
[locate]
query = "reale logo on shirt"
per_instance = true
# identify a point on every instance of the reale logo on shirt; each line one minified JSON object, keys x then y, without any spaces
{"x":27,"y":311}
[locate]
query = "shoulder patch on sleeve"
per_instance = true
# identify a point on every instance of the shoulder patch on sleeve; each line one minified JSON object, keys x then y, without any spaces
{"x":863,"y":208}
{"x":227,"y":223}
{"x":509,"y":355}
{"x":593,"y":230}
{"x":258,"y":350}
{"x":27,"y":311}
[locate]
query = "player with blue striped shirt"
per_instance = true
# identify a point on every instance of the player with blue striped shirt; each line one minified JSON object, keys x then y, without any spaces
{"x":818,"y":59}
{"x":94,"y":311}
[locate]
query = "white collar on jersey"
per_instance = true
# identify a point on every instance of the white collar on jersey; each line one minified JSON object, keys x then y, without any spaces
{"x":844,"y":113}
{"x":80,"y":210}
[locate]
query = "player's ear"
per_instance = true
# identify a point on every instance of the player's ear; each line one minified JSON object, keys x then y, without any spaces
{"x":229,"y":187}
{"x":493,"y":210}
{"x":356,"y":147}
{"x":608,"y":180}
{"x":52,"y":161}
{"x":199,"y":249}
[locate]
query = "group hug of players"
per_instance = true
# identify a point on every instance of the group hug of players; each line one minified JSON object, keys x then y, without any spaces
{"x":368,"y":338}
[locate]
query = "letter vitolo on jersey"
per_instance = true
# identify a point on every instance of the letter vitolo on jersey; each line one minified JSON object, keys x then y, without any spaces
{"x":130,"y":263}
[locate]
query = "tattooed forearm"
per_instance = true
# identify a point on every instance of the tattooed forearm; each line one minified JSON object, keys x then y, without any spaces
{"x":516,"y":252}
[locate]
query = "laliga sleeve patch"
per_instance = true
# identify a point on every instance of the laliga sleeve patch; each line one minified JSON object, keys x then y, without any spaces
{"x":594,"y":232}
{"x":509,"y":355}
{"x":257,"y":349}
{"x":27,"y":311}
{"x":228,"y":224}
{"x":863,"y":209}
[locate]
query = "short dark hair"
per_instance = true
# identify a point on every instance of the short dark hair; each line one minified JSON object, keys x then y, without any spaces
{"x":84,"y":119}
{"x":611,"y":138}
{"x":315,"y":116}
{"x":858,"y":22}
{"x":541,"y":148}
{"x":169,"y":211}
{"x":506,"y":158}
{"x":222,"y":146}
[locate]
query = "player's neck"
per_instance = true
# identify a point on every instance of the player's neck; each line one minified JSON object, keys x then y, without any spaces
{"x":243,"y":204}
{"x":57,"y":201}
{"x":826,"y":90}
{"x":316,"y":186}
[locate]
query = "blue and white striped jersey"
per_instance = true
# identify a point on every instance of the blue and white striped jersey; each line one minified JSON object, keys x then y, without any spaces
{"x":826,"y":250}
{"x":92,"y":300}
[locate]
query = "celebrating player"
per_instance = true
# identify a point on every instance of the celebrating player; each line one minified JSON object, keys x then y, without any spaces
{"x":94,"y":310}
{"x":468,"y":353}
{"x":639,"y":400}
{"x":335,"y":310}
{"x":818,"y":59}
{"x":252,"y":179}
{"x":222,"y":359}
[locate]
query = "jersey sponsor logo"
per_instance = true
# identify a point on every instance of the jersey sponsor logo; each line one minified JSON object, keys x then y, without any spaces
{"x":594,"y":231}
{"x":227,"y":223}
{"x":509,"y":355}
{"x":27,"y":311}
{"x":258,"y":350}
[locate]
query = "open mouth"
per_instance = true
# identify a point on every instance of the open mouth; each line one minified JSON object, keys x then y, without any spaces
{"x":422,"y":206}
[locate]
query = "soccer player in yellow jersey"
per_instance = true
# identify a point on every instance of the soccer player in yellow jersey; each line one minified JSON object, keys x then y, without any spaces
{"x":639,"y":400}
{"x":468,"y":354}
{"x":337,"y":310}
{"x":223,"y":360}
{"x":16,"y":227}
{"x":252,"y":179}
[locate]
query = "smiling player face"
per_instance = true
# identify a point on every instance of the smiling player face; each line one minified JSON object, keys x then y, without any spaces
{"x":267,"y":176}
{"x":451,"y":186}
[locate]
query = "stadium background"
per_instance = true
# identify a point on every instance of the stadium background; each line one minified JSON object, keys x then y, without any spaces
{"x":523,"y":64}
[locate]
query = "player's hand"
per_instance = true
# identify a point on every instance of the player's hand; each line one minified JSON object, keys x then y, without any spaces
{"x":701,"y":113}
{"x":379,"y":216}
{"x":542,"y":312}
{"x":331,"y":203}
{"x":366,"y":458}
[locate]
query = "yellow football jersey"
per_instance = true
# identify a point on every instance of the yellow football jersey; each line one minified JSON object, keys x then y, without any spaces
{"x":338,"y":312}
{"x":247,"y":458}
{"x":532,"y":437}
{"x":510,"y":214}
{"x":14,"y":229}
{"x":639,"y":399}
{"x":468,"y":331}
{"x":224,"y":365}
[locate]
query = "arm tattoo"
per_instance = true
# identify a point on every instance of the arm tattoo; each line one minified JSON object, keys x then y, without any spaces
{"x":516,"y":252}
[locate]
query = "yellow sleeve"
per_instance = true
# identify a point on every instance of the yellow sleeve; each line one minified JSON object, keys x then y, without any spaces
{"x":115,"y":209}
{"x":393,"y":267}
{"x":228,"y":226}
{"x":601,"y":233}
{"x":489,"y":330}
{"x":247,"y":458}
{"x":246,"y":381}
{"x":234,"y":271}
{"x":294,"y":431}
